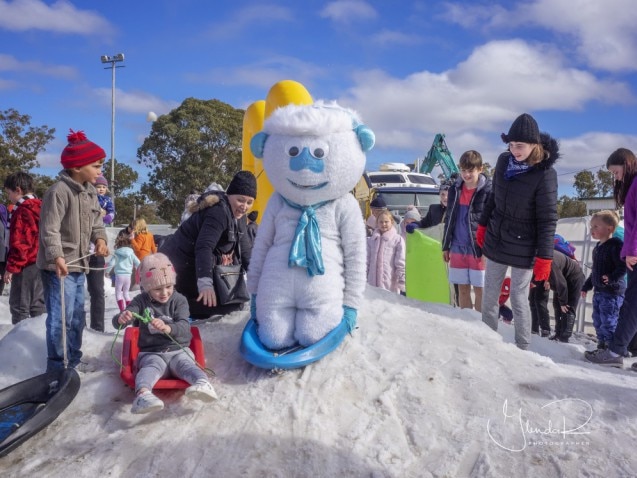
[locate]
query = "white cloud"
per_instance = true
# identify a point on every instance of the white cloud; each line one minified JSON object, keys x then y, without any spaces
{"x":61,"y":16}
{"x":135,"y":101}
{"x":262,"y":74}
{"x":602,"y":34}
{"x":484,"y":93}
{"x":589,"y":151}
{"x":10,"y":63}
{"x":348,"y":11}
{"x":392,"y":37}
{"x":263,"y":14}
{"x":482,"y":17}
{"x":605,"y":31}
{"x":7,"y":84}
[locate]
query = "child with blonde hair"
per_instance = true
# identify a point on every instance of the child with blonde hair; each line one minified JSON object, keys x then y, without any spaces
{"x":607,"y":278}
{"x":123,"y":263}
{"x":142,"y":241}
{"x":386,"y":255}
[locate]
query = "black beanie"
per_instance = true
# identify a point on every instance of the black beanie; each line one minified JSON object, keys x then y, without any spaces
{"x":378,"y":203}
{"x":523,"y":130}
{"x":244,"y":183}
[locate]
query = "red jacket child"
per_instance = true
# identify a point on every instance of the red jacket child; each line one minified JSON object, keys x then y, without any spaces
{"x":24,"y":230}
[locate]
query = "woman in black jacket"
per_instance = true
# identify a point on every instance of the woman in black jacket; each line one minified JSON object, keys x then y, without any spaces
{"x":518,"y":222}
{"x":214,"y":234}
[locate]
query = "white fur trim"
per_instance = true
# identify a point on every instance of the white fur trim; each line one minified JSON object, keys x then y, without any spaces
{"x":317,"y":119}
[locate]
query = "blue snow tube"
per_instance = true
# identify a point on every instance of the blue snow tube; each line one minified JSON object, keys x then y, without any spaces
{"x":254,"y":352}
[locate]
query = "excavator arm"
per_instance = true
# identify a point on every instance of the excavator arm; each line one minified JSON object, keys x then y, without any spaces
{"x":439,"y":155}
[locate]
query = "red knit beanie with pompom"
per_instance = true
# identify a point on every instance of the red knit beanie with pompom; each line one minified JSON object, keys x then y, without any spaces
{"x":80,"y":151}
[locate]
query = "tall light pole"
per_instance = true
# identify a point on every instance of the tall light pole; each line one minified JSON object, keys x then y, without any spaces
{"x":112,"y":60}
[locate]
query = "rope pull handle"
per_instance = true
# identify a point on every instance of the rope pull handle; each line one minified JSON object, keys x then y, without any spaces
{"x":147,"y":318}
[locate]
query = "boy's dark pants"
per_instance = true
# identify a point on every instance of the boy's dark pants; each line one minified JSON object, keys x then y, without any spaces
{"x":26,"y":297}
{"x":565,"y":321}
{"x":95,"y":285}
{"x":538,"y":301}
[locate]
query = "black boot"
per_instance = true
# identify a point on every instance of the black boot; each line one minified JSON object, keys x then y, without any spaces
{"x":559,"y":320}
{"x":568,"y":322}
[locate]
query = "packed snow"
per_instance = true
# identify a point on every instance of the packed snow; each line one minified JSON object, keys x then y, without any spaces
{"x":418,"y":390}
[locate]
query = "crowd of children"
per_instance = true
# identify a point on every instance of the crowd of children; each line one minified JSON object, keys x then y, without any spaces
{"x":510,"y":224}
{"x":491,"y":226}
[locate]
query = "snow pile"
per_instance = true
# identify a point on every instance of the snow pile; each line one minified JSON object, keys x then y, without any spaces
{"x":419,"y":390}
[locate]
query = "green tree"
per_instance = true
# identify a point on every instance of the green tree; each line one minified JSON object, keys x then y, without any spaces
{"x":41,"y":183}
{"x":133,"y":205}
{"x":194,"y":145}
{"x":125,"y":177}
{"x":570,"y":207}
{"x":605,"y":183}
{"x":488,"y":170}
{"x":585,"y":185}
{"x":20,"y":142}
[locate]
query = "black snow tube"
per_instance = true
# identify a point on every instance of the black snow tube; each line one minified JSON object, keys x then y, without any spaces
{"x":31,"y":405}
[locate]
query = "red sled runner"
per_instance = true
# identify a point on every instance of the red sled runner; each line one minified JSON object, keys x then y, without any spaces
{"x":130,"y":351}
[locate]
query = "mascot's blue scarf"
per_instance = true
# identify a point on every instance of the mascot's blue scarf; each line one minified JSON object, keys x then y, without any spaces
{"x":515,"y":167}
{"x":306,"y":246}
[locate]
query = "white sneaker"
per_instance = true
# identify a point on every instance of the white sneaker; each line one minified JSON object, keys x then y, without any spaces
{"x":146,"y":402}
{"x":202,"y":390}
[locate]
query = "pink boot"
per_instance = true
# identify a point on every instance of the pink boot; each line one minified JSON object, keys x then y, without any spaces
{"x":121,"y":304}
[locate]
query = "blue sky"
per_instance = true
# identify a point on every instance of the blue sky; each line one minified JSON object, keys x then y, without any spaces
{"x":410,"y":68}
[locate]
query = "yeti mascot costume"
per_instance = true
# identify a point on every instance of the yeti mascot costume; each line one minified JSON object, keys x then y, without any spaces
{"x":308,"y":267}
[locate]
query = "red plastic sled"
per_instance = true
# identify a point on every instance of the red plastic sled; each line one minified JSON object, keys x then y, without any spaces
{"x":130,"y":350}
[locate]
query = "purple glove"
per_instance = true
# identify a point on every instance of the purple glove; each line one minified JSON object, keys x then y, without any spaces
{"x":411,"y":227}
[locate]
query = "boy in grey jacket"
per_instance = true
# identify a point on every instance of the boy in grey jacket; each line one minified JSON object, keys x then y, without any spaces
{"x":69,"y":221}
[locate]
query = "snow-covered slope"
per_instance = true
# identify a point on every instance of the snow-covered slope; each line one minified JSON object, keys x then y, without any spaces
{"x":419,"y":390}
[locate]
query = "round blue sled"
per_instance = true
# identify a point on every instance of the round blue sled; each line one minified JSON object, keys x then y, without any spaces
{"x":254,"y":352}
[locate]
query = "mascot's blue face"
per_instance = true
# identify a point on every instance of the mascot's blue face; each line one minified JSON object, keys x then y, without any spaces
{"x":308,"y":169}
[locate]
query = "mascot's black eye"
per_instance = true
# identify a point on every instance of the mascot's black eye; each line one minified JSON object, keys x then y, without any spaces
{"x":318,"y":153}
{"x":293,"y":151}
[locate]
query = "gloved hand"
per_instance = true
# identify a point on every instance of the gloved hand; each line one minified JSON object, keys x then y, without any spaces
{"x":542,"y":269}
{"x":411,"y":227}
{"x":480,"y":235}
{"x":349,"y":315}
{"x":253,"y":306}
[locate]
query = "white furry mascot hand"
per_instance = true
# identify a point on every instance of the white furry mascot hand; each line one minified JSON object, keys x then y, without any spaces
{"x":308,"y":263}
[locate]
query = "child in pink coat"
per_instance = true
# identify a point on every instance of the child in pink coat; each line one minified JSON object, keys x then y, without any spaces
{"x":386,"y":255}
